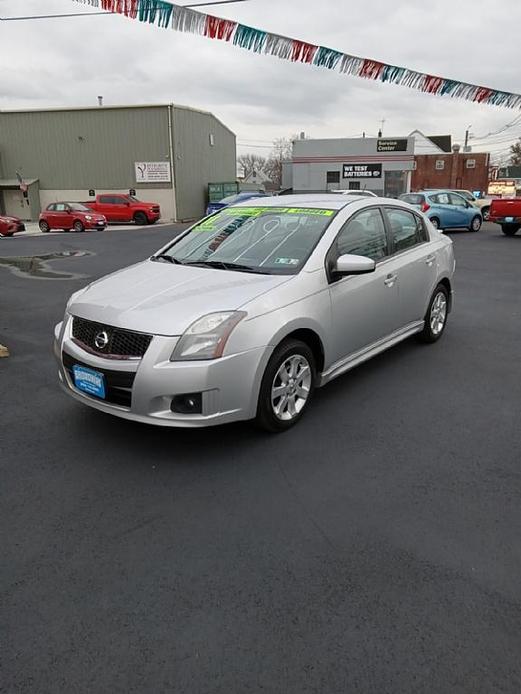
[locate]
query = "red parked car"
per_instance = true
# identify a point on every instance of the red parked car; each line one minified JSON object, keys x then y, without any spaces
{"x":10,"y":225}
{"x":125,"y":208}
{"x":71,"y":215}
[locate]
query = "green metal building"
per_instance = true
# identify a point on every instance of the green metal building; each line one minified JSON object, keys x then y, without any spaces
{"x":166,"y":153}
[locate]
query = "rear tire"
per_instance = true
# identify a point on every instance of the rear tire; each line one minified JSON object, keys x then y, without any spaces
{"x":436,"y":316}
{"x":485,"y":213}
{"x":44,"y":227}
{"x":140,"y":219}
{"x":509,"y":229}
{"x":476,"y":223}
{"x":435,"y":222}
{"x":287,"y":386}
{"x":78,"y":226}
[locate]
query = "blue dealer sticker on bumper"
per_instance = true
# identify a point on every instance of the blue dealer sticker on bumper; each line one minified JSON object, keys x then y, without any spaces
{"x":89,"y":381}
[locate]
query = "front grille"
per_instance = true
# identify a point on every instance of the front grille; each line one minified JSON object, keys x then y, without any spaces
{"x":122,"y":344}
{"x":118,"y":384}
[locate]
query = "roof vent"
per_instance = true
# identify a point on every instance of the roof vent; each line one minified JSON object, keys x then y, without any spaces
{"x":456,"y":148}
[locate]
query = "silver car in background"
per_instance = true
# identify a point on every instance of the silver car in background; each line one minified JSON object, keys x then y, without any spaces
{"x":244,"y":314}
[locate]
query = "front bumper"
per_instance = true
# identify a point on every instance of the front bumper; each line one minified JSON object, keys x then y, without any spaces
{"x":229,"y":385}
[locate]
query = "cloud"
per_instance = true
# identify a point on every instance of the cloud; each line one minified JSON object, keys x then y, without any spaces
{"x":72,"y":61}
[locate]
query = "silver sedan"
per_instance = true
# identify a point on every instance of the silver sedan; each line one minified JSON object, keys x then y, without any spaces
{"x":246,"y":313}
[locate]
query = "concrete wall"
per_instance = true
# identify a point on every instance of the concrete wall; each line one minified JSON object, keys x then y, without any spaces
{"x":455,"y":173}
{"x":197,"y":161}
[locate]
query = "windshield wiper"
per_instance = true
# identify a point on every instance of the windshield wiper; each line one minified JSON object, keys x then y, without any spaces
{"x":169,"y":258}
{"x":221,"y":265}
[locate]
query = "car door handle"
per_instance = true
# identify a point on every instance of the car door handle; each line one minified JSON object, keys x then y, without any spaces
{"x":429,"y":260}
{"x":390,"y":280}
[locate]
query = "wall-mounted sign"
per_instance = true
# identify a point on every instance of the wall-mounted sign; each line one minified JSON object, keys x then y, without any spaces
{"x":92,"y":193}
{"x":152,"y":171}
{"x":132,"y":192}
{"x":501,"y":188}
{"x":362,"y":171}
{"x":391,"y":146}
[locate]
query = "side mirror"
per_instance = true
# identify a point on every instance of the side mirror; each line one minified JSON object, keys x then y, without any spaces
{"x":353,"y":265}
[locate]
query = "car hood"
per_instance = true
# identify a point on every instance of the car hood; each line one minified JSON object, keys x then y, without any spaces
{"x":164,"y":299}
{"x":5,"y":218}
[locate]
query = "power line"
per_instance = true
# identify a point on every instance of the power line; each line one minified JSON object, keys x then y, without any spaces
{"x":93,"y":14}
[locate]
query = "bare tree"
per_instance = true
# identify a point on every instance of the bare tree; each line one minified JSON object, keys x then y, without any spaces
{"x":282,"y":151}
{"x":515,"y":154}
{"x":250,"y":163}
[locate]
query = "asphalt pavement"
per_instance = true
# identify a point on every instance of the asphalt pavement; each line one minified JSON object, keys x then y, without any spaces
{"x":375,"y":548}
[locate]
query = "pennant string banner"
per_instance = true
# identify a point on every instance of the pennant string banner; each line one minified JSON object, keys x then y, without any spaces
{"x":183,"y":19}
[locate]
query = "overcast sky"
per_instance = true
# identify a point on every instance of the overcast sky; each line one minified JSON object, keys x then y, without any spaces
{"x":70,"y":61}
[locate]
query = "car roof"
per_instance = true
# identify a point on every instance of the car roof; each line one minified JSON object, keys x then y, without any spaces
{"x":327,"y":200}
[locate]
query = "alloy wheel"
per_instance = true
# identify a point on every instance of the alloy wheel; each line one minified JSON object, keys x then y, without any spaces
{"x":438,"y":313}
{"x":291,"y":387}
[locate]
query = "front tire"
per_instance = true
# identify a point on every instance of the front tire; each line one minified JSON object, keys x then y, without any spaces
{"x":44,"y":227}
{"x":436,"y":316}
{"x":509,"y":229}
{"x":78,"y":226}
{"x":485,"y":213}
{"x":476,"y":223}
{"x":287,"y":386}
{"x":141,"y":219}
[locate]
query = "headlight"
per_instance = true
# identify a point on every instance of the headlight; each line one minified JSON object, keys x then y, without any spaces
{"x":88,"y":217}
{"x":207,"y":337}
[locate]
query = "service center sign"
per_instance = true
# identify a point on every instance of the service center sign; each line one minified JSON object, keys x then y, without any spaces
{"x":362,"y":171}
{"x":152,"y":171}
{"x":391,"y":146}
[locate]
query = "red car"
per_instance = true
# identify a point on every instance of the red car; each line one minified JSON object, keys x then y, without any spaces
{"x":125,"y":208}
{"x":71,"y":215}
{"x":10,"y":225}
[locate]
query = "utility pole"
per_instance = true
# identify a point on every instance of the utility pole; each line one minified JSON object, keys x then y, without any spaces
{"x":467,"y":134}
{"x":381,"y":131}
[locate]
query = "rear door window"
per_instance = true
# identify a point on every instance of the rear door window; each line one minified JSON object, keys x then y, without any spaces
{"x":441,"y":199}
{"x":407,"y":229}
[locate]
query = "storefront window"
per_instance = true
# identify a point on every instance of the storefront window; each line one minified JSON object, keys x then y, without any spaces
{"x":395,"y":183}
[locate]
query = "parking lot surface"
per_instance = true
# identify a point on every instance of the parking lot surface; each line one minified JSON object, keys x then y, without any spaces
{"x":374,"y":548}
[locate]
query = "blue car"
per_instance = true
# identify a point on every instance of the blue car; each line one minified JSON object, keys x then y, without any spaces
{"x":233,"y":200}
{"x":446,"y":209}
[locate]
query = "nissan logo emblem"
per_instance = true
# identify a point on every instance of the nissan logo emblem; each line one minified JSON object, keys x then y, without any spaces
{"x":101,"y":340}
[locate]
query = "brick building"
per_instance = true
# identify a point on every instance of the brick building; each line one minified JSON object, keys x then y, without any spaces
{"x":456,"y":170}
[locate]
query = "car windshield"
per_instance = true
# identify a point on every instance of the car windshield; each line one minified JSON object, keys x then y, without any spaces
{"x":253,"y":239}
{"x":413,"y":199}
{"x":77,"y":207}
{"x":132,"y":198}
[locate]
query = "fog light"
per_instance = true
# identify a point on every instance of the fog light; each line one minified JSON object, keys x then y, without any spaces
{"x":188,"y":403}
